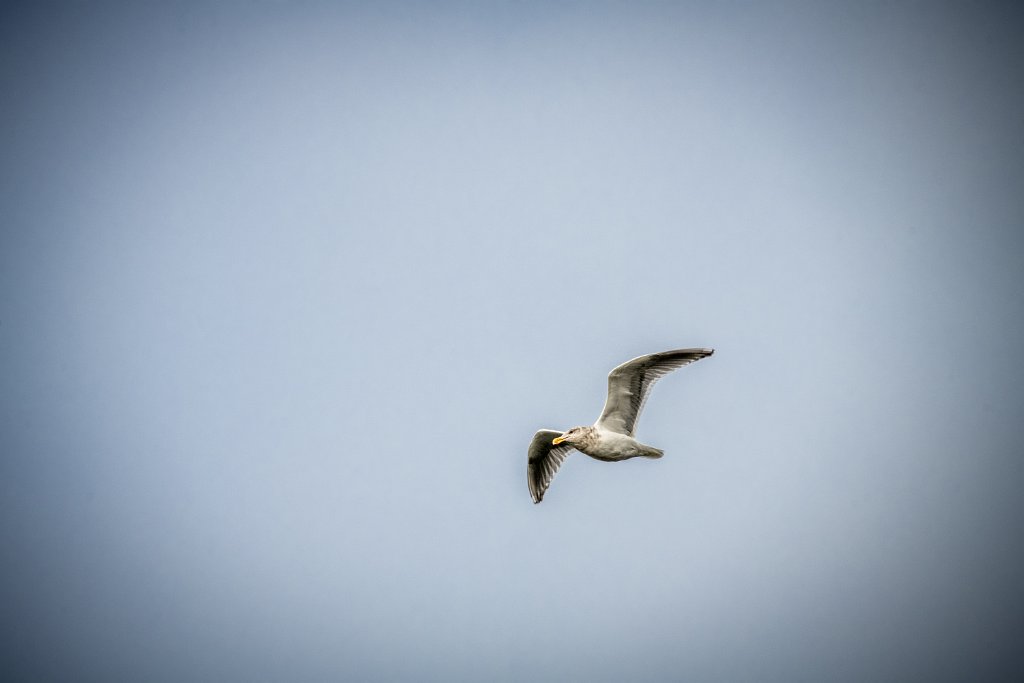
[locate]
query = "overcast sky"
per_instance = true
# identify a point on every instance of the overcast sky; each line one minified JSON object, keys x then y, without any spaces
{"x":286,"y":289}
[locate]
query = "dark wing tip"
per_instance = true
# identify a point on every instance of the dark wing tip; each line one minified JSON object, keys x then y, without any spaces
{"x":537,"y":494}
{"x":698,"y":353}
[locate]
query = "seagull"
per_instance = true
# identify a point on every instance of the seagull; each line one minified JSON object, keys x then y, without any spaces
{"x":610,"y":438}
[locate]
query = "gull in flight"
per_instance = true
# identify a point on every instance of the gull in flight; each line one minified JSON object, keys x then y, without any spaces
{"x":611,"y":437}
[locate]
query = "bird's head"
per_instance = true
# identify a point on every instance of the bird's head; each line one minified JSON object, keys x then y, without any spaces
{"x":571,"y":436}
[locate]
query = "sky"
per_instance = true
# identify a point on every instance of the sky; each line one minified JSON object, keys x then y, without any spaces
{"x":286,"y":289}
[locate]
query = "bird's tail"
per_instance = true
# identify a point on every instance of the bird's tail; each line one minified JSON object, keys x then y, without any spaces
{"x":652,"y":452}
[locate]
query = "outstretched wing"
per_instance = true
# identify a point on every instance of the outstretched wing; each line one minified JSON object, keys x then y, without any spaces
{"x":543,"y":461}
{"x":630,"y":383}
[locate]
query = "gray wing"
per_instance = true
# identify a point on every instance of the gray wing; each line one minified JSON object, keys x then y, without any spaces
{"x":543,"y":461}
{"x":630,"y":384}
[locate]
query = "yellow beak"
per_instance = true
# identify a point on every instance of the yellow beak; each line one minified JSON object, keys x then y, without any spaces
{"x":558,"y":439}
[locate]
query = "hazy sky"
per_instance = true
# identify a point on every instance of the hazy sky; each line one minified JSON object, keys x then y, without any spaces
{"x":286,"y":288}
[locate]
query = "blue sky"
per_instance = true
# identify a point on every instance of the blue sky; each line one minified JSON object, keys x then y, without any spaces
{"x":286,"y":288}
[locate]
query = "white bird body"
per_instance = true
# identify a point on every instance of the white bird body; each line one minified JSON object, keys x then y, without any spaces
{"x":610,"y":438}
{"x":611,"y":446}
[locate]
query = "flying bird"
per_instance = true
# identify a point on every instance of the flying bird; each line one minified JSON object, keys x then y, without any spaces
{"x":611,"y":437}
